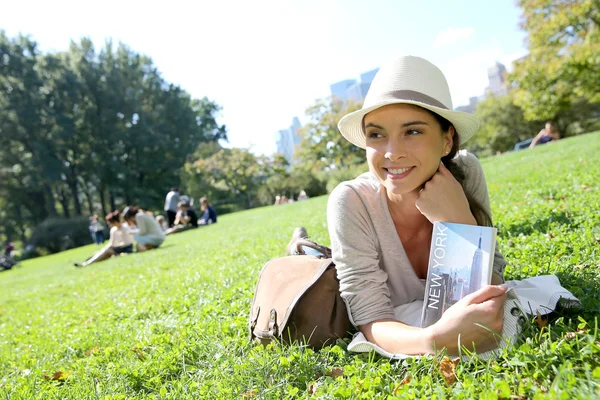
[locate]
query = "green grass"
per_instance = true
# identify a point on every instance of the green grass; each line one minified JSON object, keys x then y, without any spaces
{"x":171,"y":323}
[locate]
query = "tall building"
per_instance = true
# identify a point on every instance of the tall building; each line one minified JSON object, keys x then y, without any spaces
{"x":339,"y":89}
{"x":497,"y":87}
{"x":351,"y":89}
{"x":475,"y":279}
{"x":497,"y":78}
{"x":288,"y":139}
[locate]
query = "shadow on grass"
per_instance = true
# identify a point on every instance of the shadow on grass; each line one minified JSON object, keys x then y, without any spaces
{"x":542,"y":225}
{"x":585,"y":285}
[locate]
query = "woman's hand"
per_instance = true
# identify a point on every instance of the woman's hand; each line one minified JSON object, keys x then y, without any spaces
{"x":459,"y":325}
{"x":443,"y":199}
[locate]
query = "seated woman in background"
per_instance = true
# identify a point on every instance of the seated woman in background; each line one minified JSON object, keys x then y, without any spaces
{"x":149,"y":233}
{"x":162,"y":221}
{"x":185,"y":219}
{"x":548,"y":134}
{"x":209,"y":215}
{"x":120,"y":242}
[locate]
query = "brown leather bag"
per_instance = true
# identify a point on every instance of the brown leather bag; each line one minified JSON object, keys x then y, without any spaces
{"x":297,"y":299}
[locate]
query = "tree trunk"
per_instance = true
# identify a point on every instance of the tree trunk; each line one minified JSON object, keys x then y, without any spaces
{"x":21,"y":225}
{"x":111,"y":197}
{"x":64,"y":202}
{"x":72,"y":181}
{"x":50,"y":201}
{"x":90,"y":202}
{"x":102,"y":200}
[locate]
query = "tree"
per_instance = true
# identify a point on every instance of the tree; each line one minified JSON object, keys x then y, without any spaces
{"x":84,"y":128}
{"x":236,"y":170}
{"x":322,"y":145}
{"x":502,"y":126}
{"x":563,"y":64}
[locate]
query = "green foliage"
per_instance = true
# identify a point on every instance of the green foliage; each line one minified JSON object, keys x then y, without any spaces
{"x":172,"y":323}
{"x":236,"y":170}
{"x":322,"y":144}
{"x":59,"y":234}
{"x":334,"y":177}
{"x":563,"y":64}
{"x":502,"y":126}
{"x":85,"y":130}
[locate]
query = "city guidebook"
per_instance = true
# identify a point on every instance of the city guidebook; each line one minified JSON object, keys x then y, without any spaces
{"x":460,"y":263}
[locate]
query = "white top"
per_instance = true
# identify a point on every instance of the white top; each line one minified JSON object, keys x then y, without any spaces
{"x":120,"y":237}
{"x":97,"y":226}
{"x":374,"y":271}
{"x":171,"y":201}
{"x":147,"y":226}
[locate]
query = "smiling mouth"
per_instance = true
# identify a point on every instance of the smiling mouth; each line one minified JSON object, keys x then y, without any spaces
{"x":398,"y":173}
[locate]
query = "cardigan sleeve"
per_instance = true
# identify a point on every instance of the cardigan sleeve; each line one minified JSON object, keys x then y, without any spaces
{"x":363,"y":284}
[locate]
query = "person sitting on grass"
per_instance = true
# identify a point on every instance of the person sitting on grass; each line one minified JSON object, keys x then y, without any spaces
{"x":119,"y":243}
{"x":548,"y":134}
{"x":186,"y":219}
{"x":209,"y":215}
{"x":162,"y":221}
{"x":149,"y":233}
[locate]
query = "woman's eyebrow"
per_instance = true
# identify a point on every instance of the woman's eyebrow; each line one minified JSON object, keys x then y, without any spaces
{"x":372,"y":125}
{"x":414,"y":123}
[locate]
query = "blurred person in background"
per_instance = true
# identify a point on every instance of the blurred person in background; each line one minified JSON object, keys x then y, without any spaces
{"x":162,"y":222}
{"x":185,"y":219}
{"x":171,"y":202}
{"x":149,"y":234}
{"x":209,"y":215}
{"x":120,"y":241}
{"x":548,"y":134}
{"x":97,"y":229}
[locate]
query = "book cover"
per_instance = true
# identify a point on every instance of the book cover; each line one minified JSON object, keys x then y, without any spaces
{"x":460,"y":263}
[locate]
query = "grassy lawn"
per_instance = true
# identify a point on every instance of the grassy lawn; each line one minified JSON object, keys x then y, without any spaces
{"x":171,"y":323}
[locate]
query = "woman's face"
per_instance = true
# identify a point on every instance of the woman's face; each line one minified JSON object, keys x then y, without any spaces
{"x":405,"y":144}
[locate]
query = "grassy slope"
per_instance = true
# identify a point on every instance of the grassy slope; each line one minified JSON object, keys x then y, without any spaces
{"x":171,"y":323}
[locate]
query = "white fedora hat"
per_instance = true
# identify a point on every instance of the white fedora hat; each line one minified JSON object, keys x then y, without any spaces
{"x":410,"y":80}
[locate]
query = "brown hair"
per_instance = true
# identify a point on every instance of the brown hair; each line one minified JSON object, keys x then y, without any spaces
{"x":204,"y":200}
{"x":129,"y":212}
{"x":113,"y":217}
{"x":481,"y":216}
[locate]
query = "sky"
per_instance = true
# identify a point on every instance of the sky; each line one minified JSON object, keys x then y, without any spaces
{"x":266,"y":61}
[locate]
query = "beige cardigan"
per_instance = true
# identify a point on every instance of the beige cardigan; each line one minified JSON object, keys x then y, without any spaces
{"x":374,"y":271}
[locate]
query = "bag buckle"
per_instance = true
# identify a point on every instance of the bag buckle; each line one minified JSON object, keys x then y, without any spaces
{"x":273,"y":328}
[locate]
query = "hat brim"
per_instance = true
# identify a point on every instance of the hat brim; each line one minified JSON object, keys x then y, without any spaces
{"x":351,"y":125}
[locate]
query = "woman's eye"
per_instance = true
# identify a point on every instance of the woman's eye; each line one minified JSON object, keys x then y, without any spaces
{"x":413,"y":132}
{"x":374,"y":135}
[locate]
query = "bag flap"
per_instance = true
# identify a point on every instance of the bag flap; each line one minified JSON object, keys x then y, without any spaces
{"x":281,"y":283}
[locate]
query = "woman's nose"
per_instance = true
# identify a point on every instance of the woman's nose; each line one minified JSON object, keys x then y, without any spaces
{"x":395,"y":149}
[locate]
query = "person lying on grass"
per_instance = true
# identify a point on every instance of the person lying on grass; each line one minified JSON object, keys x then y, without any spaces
{"x":149,"y":234}
{"x":381,"y":222}
{"x":120,"y":242}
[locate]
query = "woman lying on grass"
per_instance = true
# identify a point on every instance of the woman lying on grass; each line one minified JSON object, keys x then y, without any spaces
{"x":120,"y":242}
{"x":380,"y":223}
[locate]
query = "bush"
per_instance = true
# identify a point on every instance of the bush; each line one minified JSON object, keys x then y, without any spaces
{"x":336,"y":176}
{"x":58,"y":234}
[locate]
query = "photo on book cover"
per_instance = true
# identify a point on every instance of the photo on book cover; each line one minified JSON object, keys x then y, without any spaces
{"x":460,"y":263}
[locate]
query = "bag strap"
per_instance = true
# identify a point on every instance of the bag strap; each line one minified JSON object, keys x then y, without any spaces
{"x":324,"y":250}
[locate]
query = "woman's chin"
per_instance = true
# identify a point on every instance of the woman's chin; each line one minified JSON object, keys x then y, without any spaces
{"x":397,"y":188}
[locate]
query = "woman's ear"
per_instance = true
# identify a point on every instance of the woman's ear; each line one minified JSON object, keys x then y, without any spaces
{"x":449,"y":140}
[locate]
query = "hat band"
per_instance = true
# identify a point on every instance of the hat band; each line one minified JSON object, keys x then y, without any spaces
{"x":410,"y":95}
